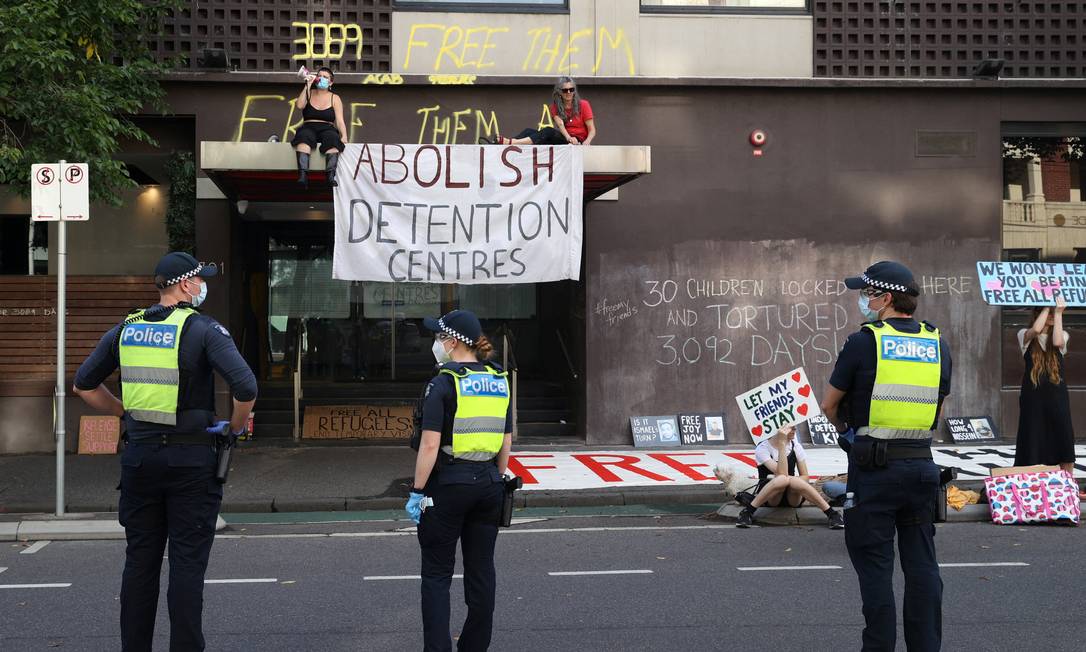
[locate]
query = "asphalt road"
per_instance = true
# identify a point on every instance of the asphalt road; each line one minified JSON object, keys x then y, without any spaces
{"x":322,"y":587}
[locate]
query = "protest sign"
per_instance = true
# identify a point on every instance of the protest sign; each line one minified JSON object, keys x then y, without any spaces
{"x":467,"y":214}
{"x":358,"y":422}
{"x":654,"y":431}
{"x":701,"y":429}
{"x":786,"y":400}
{"x":1032,"y":284}
{"x":99,"y":435}
{"x":823,"y":433}
{"x":970,"y":429}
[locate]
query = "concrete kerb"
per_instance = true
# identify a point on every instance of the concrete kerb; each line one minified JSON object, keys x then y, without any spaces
{"x":813,"y":516}
{"x":46,"y":527}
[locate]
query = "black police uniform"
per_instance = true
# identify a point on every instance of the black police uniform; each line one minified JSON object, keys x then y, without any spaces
{"x":467,"y":506}
{"x":168,"y":486}
{"x":899,"y":497}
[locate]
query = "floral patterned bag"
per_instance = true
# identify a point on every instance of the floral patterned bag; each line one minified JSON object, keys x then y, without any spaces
{"x":1047,"y":496}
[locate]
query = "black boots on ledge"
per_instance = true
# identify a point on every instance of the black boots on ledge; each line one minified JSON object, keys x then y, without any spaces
{"x":330,"y":168}
{"x":303,"y":168}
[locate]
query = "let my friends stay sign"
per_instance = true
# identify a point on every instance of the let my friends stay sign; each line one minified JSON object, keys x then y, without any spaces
{"x":786,"y":400}
{"x":1032,"y":284}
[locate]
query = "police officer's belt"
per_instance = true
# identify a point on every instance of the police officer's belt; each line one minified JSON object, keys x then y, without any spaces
{"x":200,"y":439}
{"x":907,"y":453}
{"x":869,"y":454}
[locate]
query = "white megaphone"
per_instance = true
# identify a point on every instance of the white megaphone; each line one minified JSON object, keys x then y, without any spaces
{"x":303,"y":72}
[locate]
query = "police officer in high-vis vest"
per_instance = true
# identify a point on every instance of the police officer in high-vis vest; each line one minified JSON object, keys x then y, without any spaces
{"x":458,"y":489}
{"x":885,"y":395}
{"x":169,"y":492}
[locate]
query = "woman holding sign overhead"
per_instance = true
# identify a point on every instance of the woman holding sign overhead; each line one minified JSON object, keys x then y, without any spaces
{"x":1045,"y":434}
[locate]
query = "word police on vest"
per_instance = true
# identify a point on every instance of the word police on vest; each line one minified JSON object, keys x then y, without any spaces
{"x":910,"y":349}
{"x":484,"y":386}
{"x":162,"y":336}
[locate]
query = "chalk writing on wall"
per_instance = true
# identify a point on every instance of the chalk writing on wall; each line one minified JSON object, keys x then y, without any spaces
{"x":437,"y":47}
{"x":327,"y":40}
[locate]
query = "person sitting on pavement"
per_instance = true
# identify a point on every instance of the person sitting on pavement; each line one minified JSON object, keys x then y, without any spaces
{"x":785,"y":489}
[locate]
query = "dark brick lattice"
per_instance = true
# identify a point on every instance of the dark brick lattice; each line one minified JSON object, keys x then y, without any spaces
{"x":258,"y":35}
{"x":888,"y":38}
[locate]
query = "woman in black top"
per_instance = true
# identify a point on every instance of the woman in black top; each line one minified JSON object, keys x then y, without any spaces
{"x":1045,"y":433}
{"x":322,"y":115}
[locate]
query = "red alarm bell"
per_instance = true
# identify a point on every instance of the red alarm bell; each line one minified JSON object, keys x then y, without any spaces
{"x":758,"y":140}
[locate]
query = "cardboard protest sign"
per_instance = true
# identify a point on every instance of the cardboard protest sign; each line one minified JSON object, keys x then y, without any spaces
{"x":1032,"y":284}
{"x":823,"y":433}
{"x":654,"y":431}
{"x":966,"y":430}
{"x":786,"y":400}
{"x":701,"y":429}
{"x":99,"y":435}
{"x":358,"y":422}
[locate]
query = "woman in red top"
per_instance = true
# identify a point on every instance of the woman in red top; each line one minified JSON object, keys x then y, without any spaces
{"x":572,"y":116}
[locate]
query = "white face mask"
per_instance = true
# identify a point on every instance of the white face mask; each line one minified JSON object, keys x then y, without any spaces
{"x":199,"y":298}
{"x":865,"y":308}
{"x":440,"y":354}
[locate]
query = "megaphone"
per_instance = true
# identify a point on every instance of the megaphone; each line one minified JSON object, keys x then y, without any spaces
{"x":303,"y":72}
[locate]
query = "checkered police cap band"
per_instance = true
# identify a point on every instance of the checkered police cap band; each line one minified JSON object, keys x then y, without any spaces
{"x":183,"y":277}
{"x":883,"y":285}
{"x":452,"y":333}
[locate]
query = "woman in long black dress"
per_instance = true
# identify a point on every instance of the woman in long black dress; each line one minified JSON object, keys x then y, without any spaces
{"x":1045,"y":434}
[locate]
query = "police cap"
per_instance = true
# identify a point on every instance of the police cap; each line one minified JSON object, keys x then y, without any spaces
{"x":459,"y":324}
{"x":888,"y":276}
{"x":177,"y":266}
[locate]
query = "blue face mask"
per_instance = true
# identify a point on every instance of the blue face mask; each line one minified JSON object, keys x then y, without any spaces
{"x":199,"y":298}
{"x":323,"y":83}
{"x":865,"y":308}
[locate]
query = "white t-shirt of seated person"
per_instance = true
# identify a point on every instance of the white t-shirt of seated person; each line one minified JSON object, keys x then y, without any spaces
{"x":766,"y":451}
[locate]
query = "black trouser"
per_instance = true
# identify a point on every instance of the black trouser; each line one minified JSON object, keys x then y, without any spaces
{"x":467,"y":505}
{"x":899,"y":497}
{"x":544,"y":136}
{"x":167,"y":493}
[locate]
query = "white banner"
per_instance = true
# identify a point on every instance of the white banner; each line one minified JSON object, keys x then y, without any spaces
{"x":468,"y":214}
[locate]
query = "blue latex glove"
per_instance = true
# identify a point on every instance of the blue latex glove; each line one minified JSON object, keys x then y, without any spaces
{"x":220,"y":428}
{"x":414,"y":506}
{"x":845,"y":439}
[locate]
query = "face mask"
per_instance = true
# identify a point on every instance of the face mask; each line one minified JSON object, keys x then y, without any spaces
{"x":199,"y":298}
{"x":865,"y":309}
{"x":323,"y":83}
{"x":440,"y":354}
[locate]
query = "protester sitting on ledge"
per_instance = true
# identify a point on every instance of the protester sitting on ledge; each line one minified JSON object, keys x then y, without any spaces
{"x":572,"y":116}
{"x":322,"y":122}
{"x":785,"y":489}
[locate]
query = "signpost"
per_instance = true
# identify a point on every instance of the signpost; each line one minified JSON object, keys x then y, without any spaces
{"x":59,"y":193}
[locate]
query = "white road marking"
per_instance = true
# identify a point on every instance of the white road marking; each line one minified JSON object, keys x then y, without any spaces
{"x":35,"y":586}
{"x":259,"y":580}
{"x":379,"y":578}
{"x":601,"y":572}
{"x":411,"y":532}
{"x":34,"y":548}
{"x":785,"y":568}
{"x":3,"y":568}
{"x":982,"y":565}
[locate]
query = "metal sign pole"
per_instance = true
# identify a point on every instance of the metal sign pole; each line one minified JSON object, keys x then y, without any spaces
{"x":62,"y":269}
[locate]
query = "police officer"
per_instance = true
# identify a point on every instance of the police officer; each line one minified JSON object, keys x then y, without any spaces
{"x":166,"y":355}
{"x":888,"y":387}
{"x":457,"y":494}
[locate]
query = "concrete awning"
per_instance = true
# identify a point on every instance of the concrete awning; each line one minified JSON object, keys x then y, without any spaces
{"x":266,"y":172}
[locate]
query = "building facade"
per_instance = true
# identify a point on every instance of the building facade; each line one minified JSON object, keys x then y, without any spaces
{"x":715,"y":266}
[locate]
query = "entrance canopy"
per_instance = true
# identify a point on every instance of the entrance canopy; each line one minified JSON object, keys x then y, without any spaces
{"x":266,"y":172}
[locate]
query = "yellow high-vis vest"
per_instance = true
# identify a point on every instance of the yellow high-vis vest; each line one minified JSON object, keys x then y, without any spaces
{"x":150,"y":373}
{"x":482,"y":402}
{"x":905,"y":399}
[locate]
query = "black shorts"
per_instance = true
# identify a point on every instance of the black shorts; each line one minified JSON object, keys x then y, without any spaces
{"x":311,"y":133}
{"x":782,"y":500}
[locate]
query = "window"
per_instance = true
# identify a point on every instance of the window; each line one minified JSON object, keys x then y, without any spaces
{"x":733,"y":6}
{"x":525,"y":6}
{"x":23,"y":245}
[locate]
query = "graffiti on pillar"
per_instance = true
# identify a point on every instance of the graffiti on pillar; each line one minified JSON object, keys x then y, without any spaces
{"x":438,"y":47}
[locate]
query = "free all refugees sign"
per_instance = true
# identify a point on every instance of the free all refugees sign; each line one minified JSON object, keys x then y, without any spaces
{"x":1032,"y":284}
{"x":786,"y":400}
{"x":468,"y":214}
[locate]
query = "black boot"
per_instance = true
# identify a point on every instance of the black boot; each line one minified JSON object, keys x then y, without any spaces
{"x":303,"y":168}
{"x":330,"y":168}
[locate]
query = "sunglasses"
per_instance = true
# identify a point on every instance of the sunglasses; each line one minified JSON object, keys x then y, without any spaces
{"x":567,"y":90}
{"x":871,"y":293}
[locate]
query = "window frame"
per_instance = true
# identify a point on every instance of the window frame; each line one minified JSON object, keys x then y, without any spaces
{"x":496,"y":7}
{"x":805,"y":10}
